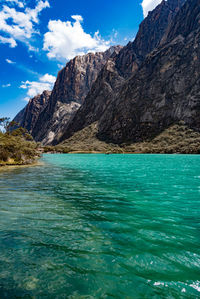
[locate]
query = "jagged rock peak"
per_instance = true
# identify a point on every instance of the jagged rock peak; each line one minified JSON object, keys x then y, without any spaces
{"x":44,"y":119}
{"x":149,"y":36}
{"x":73,"y":83}
{"x":123,"y":66}
{"x":27,"y":118}
{"x":166,"y":88}
{"x":76,"y":78}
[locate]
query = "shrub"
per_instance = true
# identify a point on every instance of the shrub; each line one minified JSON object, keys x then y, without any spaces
{"x":17,"y":146}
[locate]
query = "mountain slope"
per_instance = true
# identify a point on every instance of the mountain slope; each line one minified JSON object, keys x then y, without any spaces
{"x":71,"y":87}
{"x":45,"y":119}
{"x":165,"y":90}
{"x":120,"y":67}
{"x":28,"y":117}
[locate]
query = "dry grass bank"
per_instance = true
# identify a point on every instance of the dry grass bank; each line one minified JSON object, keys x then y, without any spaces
{"x":176,"y":139}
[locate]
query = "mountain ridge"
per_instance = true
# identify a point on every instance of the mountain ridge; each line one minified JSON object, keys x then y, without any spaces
{"x":165,"y":90}
{"x":28,"y":116}
{"x":141,"y":90}
{"x":117,"y":70}
{"x":72,"y":85}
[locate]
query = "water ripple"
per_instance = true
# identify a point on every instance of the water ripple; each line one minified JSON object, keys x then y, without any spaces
{"x":101,"y":226}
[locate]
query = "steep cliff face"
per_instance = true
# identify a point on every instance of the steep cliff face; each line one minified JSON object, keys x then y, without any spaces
{"x":28,"y":117}
{"x":71,"y":87}
{"x":150,"y":34}
{"x":120,"y":67}
{"x":45,"y":115}
{"x":102,"y":92}
{"x":75,"y":80}
{"x":165,"y":90}
{"x":92,"y":88}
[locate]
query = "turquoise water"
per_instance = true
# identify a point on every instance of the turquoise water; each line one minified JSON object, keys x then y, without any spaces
{"x":101,"y":226}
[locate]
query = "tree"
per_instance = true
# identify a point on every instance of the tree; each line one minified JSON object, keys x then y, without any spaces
{"x":12,"y":128}
{"x":16,"y":144}
{"x":4,"y":124}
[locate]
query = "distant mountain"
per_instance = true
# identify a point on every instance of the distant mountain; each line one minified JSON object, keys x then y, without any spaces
{"x":72,"y":85}
{"x":121,"y":67}
{"x":130,"y":94}
{"x":28,"y":117}
{"x":166,"y":88}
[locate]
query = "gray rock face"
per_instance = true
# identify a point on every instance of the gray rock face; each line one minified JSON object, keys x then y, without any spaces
{"x":150,"y":34}
{"x":71,"y":87}
{"x":28,"y":117}
{"x":45,"y":118}
{"x":102,"y":92}
{"x":166,"y":88}
{"x":123,"y":88}
{"x":120,"y":67}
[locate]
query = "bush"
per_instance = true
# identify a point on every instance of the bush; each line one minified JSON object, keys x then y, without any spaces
{"x":17,"y":147}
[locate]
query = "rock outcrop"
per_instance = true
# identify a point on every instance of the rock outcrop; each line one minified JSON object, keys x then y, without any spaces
{"x":27,"y":118}
{"x":166,"y":88}
{"x":134,"y":93}
{"x":72,"y":85}
{"x":45,"y":121}
{"x":121,"y":67}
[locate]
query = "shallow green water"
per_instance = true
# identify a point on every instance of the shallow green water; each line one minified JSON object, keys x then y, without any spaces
{"x":101,"y":226}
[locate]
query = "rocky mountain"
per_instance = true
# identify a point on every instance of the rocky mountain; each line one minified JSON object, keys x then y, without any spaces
{"x":28,"y":117}
{"x":149,"y":36}
{"x":129,"y":94}
{"x":121,"y":67}
{"x":166,"y":88}
{"x":71,"y":87}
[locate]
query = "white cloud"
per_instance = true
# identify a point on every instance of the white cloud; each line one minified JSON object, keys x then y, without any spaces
{"x":34,"y":88}
{"x":60,"y":66}
{"x":19,"y":3}
{"x":10,"y":61}
{"x":33,"y":49}
{"x":33,"y":13}
{"x":148,"y":5}
{"x":6,"y":85}
{"x":16,"y":25}
{"x":8,"y":40}
{"x":65,"y":40}
{"x":48,"y":78}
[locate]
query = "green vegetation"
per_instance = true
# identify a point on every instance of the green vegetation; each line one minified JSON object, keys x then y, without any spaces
{"x":16,"y":145}
{"x":178,"y":138}
{"x":18,"y":148}
{"x":85,"y":141}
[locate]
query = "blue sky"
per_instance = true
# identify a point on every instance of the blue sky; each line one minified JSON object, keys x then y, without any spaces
{"x":37,"y":38}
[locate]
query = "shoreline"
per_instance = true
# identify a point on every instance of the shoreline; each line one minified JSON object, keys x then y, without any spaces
{"x":119,"y":153}
{"x":13,"y":166}
{"x":38,"y":162}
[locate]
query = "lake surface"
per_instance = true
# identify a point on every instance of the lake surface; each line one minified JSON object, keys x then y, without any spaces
{"x":101,"y":226}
